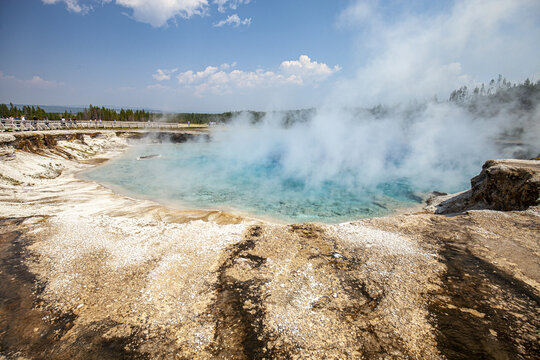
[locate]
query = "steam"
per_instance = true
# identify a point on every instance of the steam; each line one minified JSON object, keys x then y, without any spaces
{"x":416,"y":59}
{"x":431,"y":146}
{"x":417,"y":56}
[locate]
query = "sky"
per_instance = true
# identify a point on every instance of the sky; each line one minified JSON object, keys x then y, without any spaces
{"x":227,"y":55}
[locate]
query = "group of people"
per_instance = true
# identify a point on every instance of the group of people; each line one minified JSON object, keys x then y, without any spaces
{"x":69,"y":122}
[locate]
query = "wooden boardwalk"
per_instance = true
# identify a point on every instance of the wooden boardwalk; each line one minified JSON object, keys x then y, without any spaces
{"x":31,"y":125}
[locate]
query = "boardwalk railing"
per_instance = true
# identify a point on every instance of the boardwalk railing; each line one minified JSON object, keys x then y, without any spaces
{"x":32,"y":125}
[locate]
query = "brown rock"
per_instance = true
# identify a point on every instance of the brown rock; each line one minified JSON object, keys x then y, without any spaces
{"x":501,"y":185}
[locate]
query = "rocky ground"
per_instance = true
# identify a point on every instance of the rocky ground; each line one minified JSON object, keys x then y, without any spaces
{"x":89,"y":274}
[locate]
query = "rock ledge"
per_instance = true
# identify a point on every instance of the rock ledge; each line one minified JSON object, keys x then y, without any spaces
{"x":504,"y":185}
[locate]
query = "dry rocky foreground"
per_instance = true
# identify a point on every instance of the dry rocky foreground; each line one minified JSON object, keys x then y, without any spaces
{"x":89,"y":274}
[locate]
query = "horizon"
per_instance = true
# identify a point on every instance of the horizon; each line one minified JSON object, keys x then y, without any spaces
{"x":71,"y":108}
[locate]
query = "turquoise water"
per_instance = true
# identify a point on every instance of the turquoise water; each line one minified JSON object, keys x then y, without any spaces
{"x":205,"y":176}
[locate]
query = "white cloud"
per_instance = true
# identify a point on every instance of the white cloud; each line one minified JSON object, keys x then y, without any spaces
{"x":227,"y":66}
{"x":359,"y":11}
{"x":189,"y":77}
{"x":71,"y":5}
{"x":158,"y":12}
{"x":307,"y":69}
{"x":232,"y":4}
{"x":40,"y":82}
{"x":35,"y":82}
{"x":154,"y":12}
{"x":296,"y":72}
{"x":234,"y":20}
{"x":164,"y":74}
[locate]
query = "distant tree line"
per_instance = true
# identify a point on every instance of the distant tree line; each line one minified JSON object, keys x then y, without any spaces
{"x":107,"y":114}
{"x":89,"y":113}
{"x":502,"y":98}
{"x":30,"y":112}
{"x":485,"y":97}
{"x":500,"y":91}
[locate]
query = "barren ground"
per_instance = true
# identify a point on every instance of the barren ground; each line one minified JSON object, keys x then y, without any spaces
{"x":89,"y":274}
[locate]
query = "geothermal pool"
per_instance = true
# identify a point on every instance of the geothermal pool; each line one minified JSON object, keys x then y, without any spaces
{"x":204,"y":175}
{"x":333,"y":165}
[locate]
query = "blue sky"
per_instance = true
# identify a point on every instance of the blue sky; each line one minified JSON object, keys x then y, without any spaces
{"x":217,"y":55}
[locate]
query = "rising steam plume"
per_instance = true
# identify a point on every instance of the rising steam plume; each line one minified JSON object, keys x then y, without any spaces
{"x":436,"y":144}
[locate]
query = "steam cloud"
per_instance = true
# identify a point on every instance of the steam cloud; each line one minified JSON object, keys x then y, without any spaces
{"x":434,"y":144}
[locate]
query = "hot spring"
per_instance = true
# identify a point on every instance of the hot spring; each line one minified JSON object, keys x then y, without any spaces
{"x":196,"y":175}
{"x":312,"y":171}
{"x":330,"y":166}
